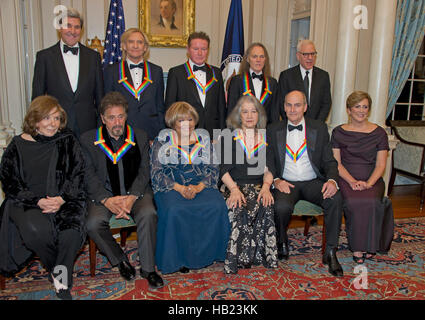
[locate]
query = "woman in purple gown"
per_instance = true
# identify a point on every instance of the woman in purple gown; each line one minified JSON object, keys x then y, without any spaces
{"x":361,"y":149}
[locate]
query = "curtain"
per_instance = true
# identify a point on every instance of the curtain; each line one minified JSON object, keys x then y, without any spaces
{"x":409,"y":34}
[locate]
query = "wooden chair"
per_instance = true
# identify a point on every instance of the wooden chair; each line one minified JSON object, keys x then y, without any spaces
{"x":121,"y":225}
{"x":409,"y":156}
{"x":305,"y":208}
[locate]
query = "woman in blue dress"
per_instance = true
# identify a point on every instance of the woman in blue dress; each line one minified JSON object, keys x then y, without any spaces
{"x":193,"y":225}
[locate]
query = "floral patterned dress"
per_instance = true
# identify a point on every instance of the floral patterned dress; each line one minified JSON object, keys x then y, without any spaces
{"x":253,"y":233}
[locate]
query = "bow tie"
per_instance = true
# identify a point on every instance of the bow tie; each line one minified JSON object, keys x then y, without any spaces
{"x":199,"y":68}
{"x":298,"y":127}
{"x":258,"y":76}
{"x":140,"y":65}
{"x":74,"y":50}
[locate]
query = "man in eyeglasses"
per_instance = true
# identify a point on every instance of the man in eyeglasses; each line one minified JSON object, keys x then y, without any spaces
{"x":305,"y":77}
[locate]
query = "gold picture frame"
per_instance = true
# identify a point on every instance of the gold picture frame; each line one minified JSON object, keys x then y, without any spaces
{"x":162,"y":34}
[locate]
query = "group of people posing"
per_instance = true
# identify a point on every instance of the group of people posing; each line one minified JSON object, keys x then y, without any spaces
{"x":97,"y":144}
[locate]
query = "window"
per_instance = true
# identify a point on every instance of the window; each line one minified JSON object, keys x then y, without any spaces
{"x":411,"y":103}
{"x":300,"y":29}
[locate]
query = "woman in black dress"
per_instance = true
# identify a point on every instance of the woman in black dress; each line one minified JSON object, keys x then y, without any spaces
{"x":42,"y":175}
{"x":245,"y":175}
{"x":361,"y":149}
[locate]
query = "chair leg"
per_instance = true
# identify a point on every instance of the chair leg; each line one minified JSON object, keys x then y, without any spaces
{"x":422,"y":196}
{"x":92,"y":257}
{"x":2,"y":282}
{"x":306,"y":226}
{"x":124,"y":235}
{"x":323,"y":237}
{"x":391,"y":182}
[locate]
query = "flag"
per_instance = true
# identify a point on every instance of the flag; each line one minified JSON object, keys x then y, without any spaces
{"x":114,"y":29}
{"x":233,"y":48}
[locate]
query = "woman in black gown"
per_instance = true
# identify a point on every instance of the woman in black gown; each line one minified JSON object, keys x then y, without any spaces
{"x":245,"y":175}
{"x":42,"y":175}
{"x":361,"y":149}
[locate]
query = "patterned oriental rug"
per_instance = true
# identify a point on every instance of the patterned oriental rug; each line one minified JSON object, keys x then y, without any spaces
{"x":400,"y":275}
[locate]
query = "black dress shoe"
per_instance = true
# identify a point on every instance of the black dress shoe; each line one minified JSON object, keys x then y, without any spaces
{"x":154,"y":280}
{"x":127,"y":271}
{"x":331,"y":260}
{"x":64,"y":294}
{"x":283,"y":251}
{"x":184,"y":270}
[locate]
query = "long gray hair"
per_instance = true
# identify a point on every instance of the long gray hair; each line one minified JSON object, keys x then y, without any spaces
{"x":234,"y":119}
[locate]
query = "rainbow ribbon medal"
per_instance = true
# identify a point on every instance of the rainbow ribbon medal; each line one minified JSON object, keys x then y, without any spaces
{"x":188,"y":156}
{"x":254,"y":151}
{"x":124,"y":80}
{"x":295,"y":156}
{"x":115,"y":156}
{"x":248,"y":91}
{"x":190,"y":75}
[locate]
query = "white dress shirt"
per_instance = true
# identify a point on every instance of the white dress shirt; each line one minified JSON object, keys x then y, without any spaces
{"x":257,"y":83}
{"x":136,"y":73}
{"x":202,"y":78}
{"x":72,"y":65}
{"x":302,"y":169}
{"x":310,"y":79}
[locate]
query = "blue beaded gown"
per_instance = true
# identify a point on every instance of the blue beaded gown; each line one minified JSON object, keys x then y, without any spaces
{"x":190,"y":233}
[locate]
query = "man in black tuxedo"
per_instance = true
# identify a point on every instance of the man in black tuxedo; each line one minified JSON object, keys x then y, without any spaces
{"x":199,"y":84}
{"x":117,"y":177}
{"x":141,"y":82}
{"x":72,"y":73}
{"x":305,"y":77}
{"x":301,"y":160}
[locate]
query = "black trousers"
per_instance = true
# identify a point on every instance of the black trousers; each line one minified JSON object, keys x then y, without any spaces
{"x":55,"y":249}
{"x":311,"y":192}
{"x":143,"y":213}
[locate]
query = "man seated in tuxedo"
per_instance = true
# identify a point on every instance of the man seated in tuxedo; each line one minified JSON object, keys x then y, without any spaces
{"x":140,"y":81}
{"x":71,"y":73}
{"x":308,"y":78}
{"x":301,"y":160}
{"x":117,"y":180}
{"x":199,"y":84}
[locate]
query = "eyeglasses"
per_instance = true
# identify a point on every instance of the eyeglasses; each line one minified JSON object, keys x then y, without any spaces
{"x":308,"y":54}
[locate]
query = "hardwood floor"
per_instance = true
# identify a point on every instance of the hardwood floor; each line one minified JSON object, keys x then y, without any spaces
{"x":405,"y":199}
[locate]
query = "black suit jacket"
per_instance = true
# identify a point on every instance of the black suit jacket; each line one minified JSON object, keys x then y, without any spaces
{"x":180,"y":88}
{"x":318,"y":149}
{"x":320,"y":96}
{"x":97,"y":172}
{"x":50,"y":77}
{"x":236,"y":90}
{"x":148,"y":112}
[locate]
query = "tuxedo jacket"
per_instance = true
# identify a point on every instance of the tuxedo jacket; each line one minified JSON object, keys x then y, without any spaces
{"x":50,"y":77}
{"x":236,"y":90}
{"x":318,"y":149}
{"x":97,"y":172}
{"x":180,"y":88}
{"x":320,"y":93}
{"x":146,"y":113}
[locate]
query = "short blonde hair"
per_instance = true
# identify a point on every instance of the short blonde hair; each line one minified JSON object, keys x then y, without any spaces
{"x":357,"y":96}
{"x":177,"y":110}
{"x":126,"y":35}
{"x":40,"y":108}
{"x":233,"y":121}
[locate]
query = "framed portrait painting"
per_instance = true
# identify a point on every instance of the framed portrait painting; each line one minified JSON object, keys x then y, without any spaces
{"x":167,"y":23}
